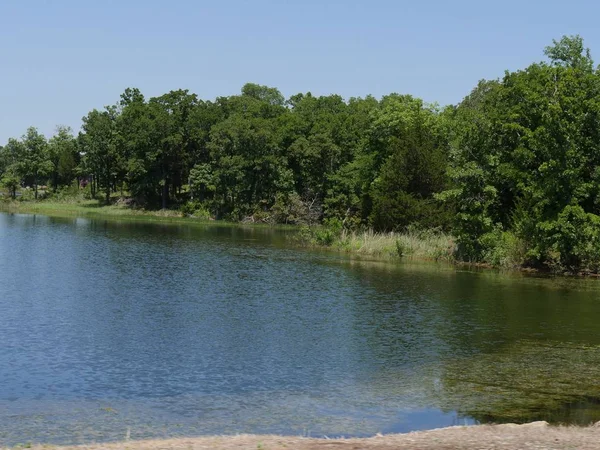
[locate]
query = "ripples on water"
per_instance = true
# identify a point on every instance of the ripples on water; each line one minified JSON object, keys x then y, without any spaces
{"x":170,"y":330}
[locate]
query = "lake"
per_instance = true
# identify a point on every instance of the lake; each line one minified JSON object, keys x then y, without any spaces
{"x":111,"y":329}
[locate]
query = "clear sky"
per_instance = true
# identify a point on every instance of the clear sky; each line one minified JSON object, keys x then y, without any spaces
{"x":61,"y":58}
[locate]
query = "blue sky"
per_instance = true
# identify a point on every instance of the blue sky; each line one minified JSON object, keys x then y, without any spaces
{"x":61,"y":58}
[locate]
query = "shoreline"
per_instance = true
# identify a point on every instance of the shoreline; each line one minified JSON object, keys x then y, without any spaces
{"x":88,"y":210}
{"x":507,"y":436}
{"x":92,"y":209}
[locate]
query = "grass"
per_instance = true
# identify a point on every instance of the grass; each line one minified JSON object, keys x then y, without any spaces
{"x":74,"y":207}
{"x":412,"y":244}
{"x":86,"y":208}
{"x":421,"y":245}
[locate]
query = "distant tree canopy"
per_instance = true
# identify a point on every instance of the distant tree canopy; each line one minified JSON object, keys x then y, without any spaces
{"x":513,"y":169}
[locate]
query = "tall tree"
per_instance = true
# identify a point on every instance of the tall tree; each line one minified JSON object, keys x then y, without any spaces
{"x":10,"y":174}
{"x":411,"y":151}
{"x":526,"y":159}
{"x":63,"y":155}
{"x":99,"y":142}
{"x":34,"y":162}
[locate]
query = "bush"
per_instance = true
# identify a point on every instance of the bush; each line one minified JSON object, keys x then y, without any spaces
{"x":571,"y":243}
{"x":195,"y":209}
{"x":87,"y":192}
{"x":70,"y":192}
{"x":325,"y":235}
{"x":400,"y":248}
{"x":502,"y":249}
{"x":292,"y":209}
{"x":329,"y":232}
{"x":27,"y":194}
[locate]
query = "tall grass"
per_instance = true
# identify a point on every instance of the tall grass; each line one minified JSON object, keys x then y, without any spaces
{"x":427,"y":245}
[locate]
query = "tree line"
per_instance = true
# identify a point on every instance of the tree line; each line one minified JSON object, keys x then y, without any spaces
{"x":513,"y":171}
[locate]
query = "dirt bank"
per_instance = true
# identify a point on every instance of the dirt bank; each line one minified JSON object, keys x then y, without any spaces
{"x":532,"y":436}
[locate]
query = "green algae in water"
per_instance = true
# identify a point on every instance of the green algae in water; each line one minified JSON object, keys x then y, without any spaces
{"x":526,"y":382}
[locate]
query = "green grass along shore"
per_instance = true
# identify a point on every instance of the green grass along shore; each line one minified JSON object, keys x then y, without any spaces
{"x":419,"y":245}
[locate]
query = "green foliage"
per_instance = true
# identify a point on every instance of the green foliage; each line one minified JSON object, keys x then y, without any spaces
{"x":63,"y":157}
{"x":524,"y":165}
{"x":70,"y":193}
{"x":570,"y":51}
{"x":292,"y":209}
{"x":408,"y":143}
{"x":513,"y":171}
{"x":88,"y":193}
{"x":265,"y":94}
{"x":571,"y":243}
{"x":31,"y":158}
{"x":11,"y":181}
{"x":202,"y":181}
{"x":400,"y":248}
{"x":195,"y":209}
{"x":502,"y":249}
{"x":328,"y":233}
{"x":99,"y":143}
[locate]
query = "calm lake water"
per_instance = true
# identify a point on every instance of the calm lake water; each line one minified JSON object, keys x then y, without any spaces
{"x":158,"y":330}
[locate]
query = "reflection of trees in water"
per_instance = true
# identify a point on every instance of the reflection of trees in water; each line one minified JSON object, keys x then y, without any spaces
{"x":528,"y":381}
{"x":478,"y":312}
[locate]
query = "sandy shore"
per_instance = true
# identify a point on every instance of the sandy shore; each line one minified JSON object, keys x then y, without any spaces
{"x":531,"y":436}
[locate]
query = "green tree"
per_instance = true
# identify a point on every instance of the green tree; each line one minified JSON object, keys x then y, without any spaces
{"x":63,"y":155}
{"x":246,"y":165}
{"x":525,"y":158}
{"x":10,"y":156}
{"x":33,"y":162}
{"x":99,"y":143}
{"x":410,"y":150}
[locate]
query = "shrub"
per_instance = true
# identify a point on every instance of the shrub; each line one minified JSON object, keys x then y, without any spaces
{"x":70,"y":192}
{"x":502,"y":249}
{"x":571,"y":243}
{"x":195,"y":209}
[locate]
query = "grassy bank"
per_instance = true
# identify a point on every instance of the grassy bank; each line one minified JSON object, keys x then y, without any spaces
{"x":413,"y":244}
{"x":92,"y":208}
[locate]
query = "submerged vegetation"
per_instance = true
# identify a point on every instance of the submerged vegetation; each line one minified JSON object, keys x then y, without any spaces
{"x":509,"y":177}
{"x":526,"y":382}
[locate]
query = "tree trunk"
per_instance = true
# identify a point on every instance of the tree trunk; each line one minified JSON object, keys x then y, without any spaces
{"x":165,"y":194}
{"x":35,"y":186}
{"x":108,"y":185}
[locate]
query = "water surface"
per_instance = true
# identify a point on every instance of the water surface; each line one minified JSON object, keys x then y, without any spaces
{"x":158,"y":330}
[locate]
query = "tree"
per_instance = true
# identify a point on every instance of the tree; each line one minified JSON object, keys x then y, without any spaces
{"x":10,"y":156}
{"x":99,"y":142}
{"x":525,"y":160}
{"x":266,"y":94}
{"x":246,"y":165}
{"x":63,"y":155}
{"x":570,"y":52}
{"x":33,"y":162}
{"x":410,"y":151}
{"x":159,"y":162}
